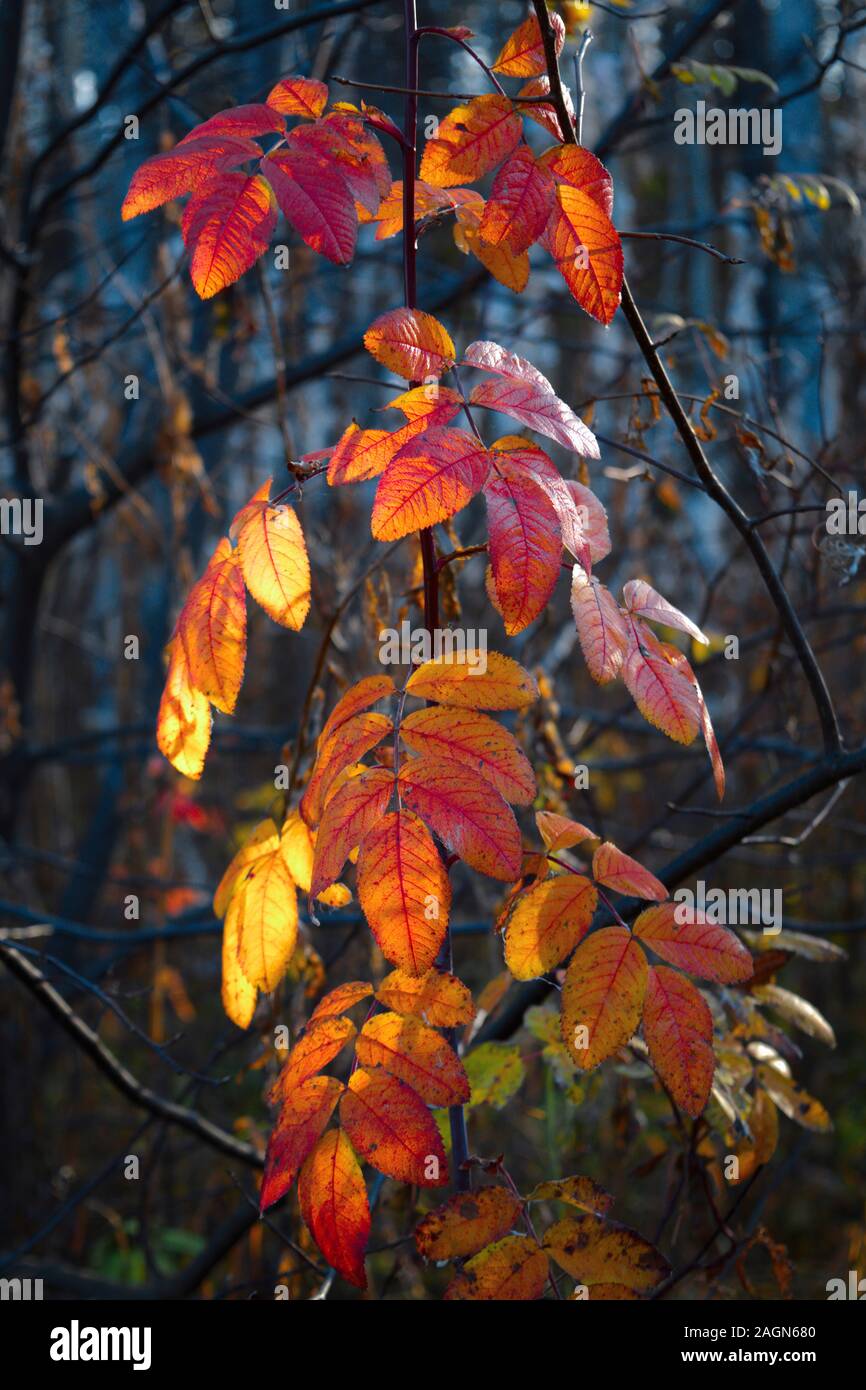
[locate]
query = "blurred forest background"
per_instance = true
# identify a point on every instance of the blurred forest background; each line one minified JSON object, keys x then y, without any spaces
{"x":137,"y":492}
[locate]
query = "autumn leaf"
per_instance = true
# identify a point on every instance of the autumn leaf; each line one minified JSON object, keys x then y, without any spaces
{"x":575,"y":1192}
{"x":601,"y":629}
{"x":511,"y":268}
{"x":603,"y":994}
{"x":357,"y":698}
{"x":334,"y":1205}
{"x":514,"y":1269}
{"x":560,"y":832}
{"x":242,"y":121}
{"x":466,"y":1223}
{"x":416,"y":1054}
{"x":440,"y":999}
{"x":213,"y":630}
{"x":579,"y":528}
{"x":321,"y":1043}
{"x":467,"y":814}
{"x":226,"y":226}
{"x":546,"y":923}
{"x":539,"y":410}
{"x":188,"y":166}
{"x":237,"y":994}
{"x":473,"y":740}
{"x":700,"y":947}
{"x":274,"y":561}
{"x":303,"y":1116}
{"x":641,"y":598}
{"x":523,"y":54}
{"x":586,"y":251}
{"x":339,"y":1000}
{"x":542,"y":112}
{"x":404,"y":891}
{"x":625,"y":875}
{"x":299,"y":96}
{"x":664,"y":696}
{"x":792,"y":1100}
{"x":520,"y":202}
{"x":578,"y":168}
{"x":297,"y":847}
{"x":428,"y":481}
{"x":525,"y":545}
{"x":348,"y":742}
{"x":265,"y":908}
{"x":496,"y":1072}
{"x":457,"y":680}
{"x":678,"y":1031}
{"x":183,"y":725}
{"x":348,"y":817}
{"x":679,"y":662}
{"x":470,"y":141}
{"x":596,"y":1250}
{"x":316,"y":199}
{"x":364,"y":454}
{"x":411,"y":344}
{"x":392,"y":1129}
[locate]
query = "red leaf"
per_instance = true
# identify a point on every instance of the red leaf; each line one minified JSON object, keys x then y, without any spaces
{"x":302,"y":1118}
{"x":226,"y":227}
{"x":430,"y":480}
{"x":334,"y":1205}
{"x":664,"y":696}
{"x":586,"y":250}
{"x":316,"y":199}
{"x":473,"y":740}
{"x":520,"y":203}
{"x":390,"y":1126}
{"x":678,"y":1030}
{"x":184,"y":168}
{"x":525,"y":545}
{"x":704,"y":949}
{"x":467,"y":814}
{"x":244,"y":121}
{"x":625,"y":875}
{"x":603,"y":994}
{"x":348,"y":816}
{"x":404,"y":891}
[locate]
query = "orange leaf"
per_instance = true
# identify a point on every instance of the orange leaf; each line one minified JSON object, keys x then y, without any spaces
{"x":321,"y":1043}
{"x":546,"y":923}
{"x":471,"y":141}
{"x":558,"y":832}
{"x":264,"y":907}
{"x":603,"y":995}
{"x":473,"y":740}
{"x":587,"y":251}
{"x":678,"y":1030}
{"x":520,"y":203}
{"x":189,"y":165}
{"x":364,"y":454}
{"x":525,"y":545}
{"x":213,"y":629}
{"x":704,"y":949}
{"x":302,"y":1119}
{"x":596,"y":1250}
{"x":625,"y":875}
{"x":664,"y":696}
{"x":466,"y":1223}
{"x":243,"y":121}
{"x":514,"y":1269}
{"x":404,"y":891}
{"x":346,"y":744}
{"x":340,"y":999}
{"x":299,"y":96}
{"x":237,"y":994}
{"x":440,"y":999}
{"x":390,"y":215}
{"x":410,"y":343}
{"x":467,"y":814}
{"x":511,"y":268}
{"x":601,"y":628}
{"x":430,"y":480}
{"x":575,"y":1192}
{"x":316,"y":199}
{"x":457,"y":680}
{"x":391,"y":1127}
{"x":523,"y":54}
{"x":334,"y":1205}
{"x":348,"y":817}
{"x":274,"y":562}
{"x":543,"y":114}
{"x":183,"y":725}
{"x":226,"y":226}
{"x":418,"y":1055}
{"x":263,"y":840}
{"x":355,"y":700}
{"x":576,"y":167}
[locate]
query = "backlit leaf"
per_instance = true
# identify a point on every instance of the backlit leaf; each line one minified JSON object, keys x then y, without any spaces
{"x":470,"y":141}
{"x":792,"y":1100}
{"x":226,"y":226}
{"x":334,"y":1205}
{"x":641,"y":598}
{"x":263,"y":840}
{"x":297,"y":847}
{"x":391,"y":1127}
{"x":496,"y":1072}
{"x":542,"y":112}
{"x":357,"y":698}
{"x":601,"y":628}
{"x":429,"y":480}
{"x":188,"y":166}
{"x":473,"y":740}
{"x":411,"y":344}
{"x":440,"y":999}
{"x":576,"y":167}
{"x":275,"y":564}
{"x":348,"y":742}
{"x":466,"y":1223}
{"x":587,"y":251}
{"x":265,"y":906}
{"x":237,"y":994}
{"x":416,"y":1054}
{"x":404,"y":891}
{"x":559,"y":832}
{"x":546,"y":923}
{"x":183,"y":725}
{"x":316,"y":199}
{"x":702,"y":948}
{"x":520,"y":202}
{"x":541,"y":411}
{"x":244,"y":121}
{"x":514,"y":1269}
{"x":339,"y":1000}
{"x":459,"y":681}
{"x":348,"y":817}
{"x":523,"y":54}
{"x":576,"y":1192}
{"x":511,"y":268}
{"x":678,"y":1030}
{"x":213,"y":630}
{"x":321,"y":1043}
{"x":603,"y":993}
{"x":625,"y":875}
{"x":596,"y":1250}
{"x":467,"y":814}
{"x":664,"y":696}
{"x":299,"y":96}
{"x":525,"y":545}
